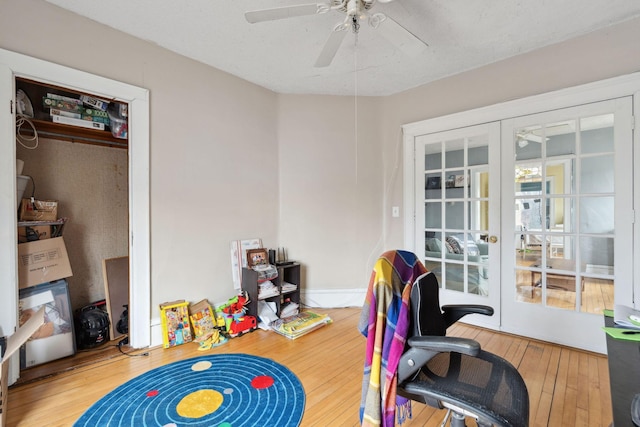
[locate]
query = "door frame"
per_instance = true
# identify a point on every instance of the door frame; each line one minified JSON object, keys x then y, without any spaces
{"x":617,"y":87}
{"x":17,"y":65}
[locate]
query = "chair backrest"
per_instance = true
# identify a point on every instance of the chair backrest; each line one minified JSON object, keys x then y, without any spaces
{"x":426,"y":315}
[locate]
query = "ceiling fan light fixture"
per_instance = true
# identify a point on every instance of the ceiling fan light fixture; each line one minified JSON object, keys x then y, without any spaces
{"x":354,"y":11}
{"x":376,"y":19}
{"x":352,"y":8}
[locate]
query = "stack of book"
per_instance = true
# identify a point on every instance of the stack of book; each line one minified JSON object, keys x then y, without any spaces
{"x":288,"y":287}
{"x":301,"y":324}
{"x":72,"y":111}
{"x":289,"y":309}
{"x":267,"y":290}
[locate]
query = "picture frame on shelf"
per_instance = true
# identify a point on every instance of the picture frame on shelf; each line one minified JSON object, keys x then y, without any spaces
{"x":256,"y":257}
{"x":433,"y":183}
{"x":450,"y":182}
{"x":460,"y":181}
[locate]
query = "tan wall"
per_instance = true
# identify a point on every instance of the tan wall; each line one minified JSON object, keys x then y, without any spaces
{"x":90,"y":184}
{"x":222,"y":148}
{"x":602,"y":54}
{"x":213,"y":146}
{"x":331,"y":187}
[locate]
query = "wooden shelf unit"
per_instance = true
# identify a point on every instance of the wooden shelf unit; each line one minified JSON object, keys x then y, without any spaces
{"x":286,"y":273}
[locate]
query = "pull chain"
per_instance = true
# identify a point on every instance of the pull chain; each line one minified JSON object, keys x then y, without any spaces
{"x":356,"y":27}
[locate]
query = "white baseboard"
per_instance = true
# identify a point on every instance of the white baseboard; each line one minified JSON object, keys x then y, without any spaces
{"x":323,"y":298}
{"x":156,"y":332}
{"x":333,"y":298}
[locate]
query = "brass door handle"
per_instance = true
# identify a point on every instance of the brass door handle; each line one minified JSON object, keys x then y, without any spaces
{"x":493,"y":239}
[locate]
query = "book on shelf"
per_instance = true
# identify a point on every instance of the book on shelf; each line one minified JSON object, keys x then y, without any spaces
{"x":55,"y":96}
{"x":288,"y":287}
{"x":300,"y":324}
{"x":267,"y":289}
{"x":77,"y":122}
{"x":74,"y":115}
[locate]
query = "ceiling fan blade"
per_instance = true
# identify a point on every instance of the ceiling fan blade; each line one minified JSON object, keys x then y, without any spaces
{"x":532,"y":137}
{"x":282,"y":13}
{"x":331,"y":47}
{"x":401,"y":37}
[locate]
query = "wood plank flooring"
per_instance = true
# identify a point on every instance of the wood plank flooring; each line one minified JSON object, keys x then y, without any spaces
{"x":567,"y":387}
{"x":596,"y":296}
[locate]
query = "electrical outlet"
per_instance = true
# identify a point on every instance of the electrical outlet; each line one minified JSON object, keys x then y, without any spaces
{"x":395,"y":211}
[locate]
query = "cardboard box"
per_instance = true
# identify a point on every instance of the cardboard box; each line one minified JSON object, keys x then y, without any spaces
{"x":42,"y":261}
{"x":39,"y":210}
{"x":10,"y":346}
{"x":41,"y":231}
{"x":55,"y":339}
{"x":29,"y":231}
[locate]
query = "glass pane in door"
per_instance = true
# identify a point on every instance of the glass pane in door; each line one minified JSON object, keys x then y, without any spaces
{"x":456,"y":182}
{"x":564,"y":204}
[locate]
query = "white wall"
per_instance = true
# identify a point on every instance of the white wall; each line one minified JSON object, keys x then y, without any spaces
{"x":222,"y":148}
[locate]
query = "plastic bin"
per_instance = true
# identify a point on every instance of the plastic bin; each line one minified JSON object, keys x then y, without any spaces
{"x":21,"y":186}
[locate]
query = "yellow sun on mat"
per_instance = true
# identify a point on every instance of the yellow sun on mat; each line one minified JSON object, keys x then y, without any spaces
{"x":199,"y":403}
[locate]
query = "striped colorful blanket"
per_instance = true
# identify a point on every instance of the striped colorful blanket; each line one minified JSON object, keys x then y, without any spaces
{"x":384,"y":321}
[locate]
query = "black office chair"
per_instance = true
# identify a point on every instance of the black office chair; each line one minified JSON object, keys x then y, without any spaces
{"x":454,"y":373}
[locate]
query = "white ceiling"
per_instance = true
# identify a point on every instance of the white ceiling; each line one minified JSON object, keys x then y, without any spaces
{"x":280,"y":55}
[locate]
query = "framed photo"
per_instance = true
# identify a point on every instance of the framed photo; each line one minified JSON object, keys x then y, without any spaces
{"x":460,"y":181}
{"x":450,"y":182}
{"x":257,"y":257}
{"x":433,"y":183}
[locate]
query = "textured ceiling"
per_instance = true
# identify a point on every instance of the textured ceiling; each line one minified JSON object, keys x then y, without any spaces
{"x":280,"y":55}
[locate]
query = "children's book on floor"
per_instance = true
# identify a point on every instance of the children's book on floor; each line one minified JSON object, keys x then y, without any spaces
{"x":203,"y":320}
{"x":300,"y":324}
{"x":176,"y":328}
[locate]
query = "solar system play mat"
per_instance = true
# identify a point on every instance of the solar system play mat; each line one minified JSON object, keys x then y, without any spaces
{"x":221,"y":390}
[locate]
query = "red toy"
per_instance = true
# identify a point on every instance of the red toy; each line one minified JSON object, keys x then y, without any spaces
{"x":237,"y":322}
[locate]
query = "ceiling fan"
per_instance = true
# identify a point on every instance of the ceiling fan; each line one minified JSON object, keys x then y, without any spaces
{"x":355,"y":11}
{"x":534,"y":134}
{"x":523,"y":138}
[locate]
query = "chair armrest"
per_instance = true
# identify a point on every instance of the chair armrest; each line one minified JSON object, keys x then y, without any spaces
{"x":444,"y":344}
{"x":423,"y":349}
{"x":453,"y":313}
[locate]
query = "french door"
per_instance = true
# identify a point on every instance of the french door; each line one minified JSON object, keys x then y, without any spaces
{"x":567,"y":221}
{"x":532,"y":215}
{"x":457,"y":201}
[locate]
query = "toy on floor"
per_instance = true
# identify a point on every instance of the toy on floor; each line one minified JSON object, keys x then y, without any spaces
{"x":214,"y":340}
{"x":237,"y":322}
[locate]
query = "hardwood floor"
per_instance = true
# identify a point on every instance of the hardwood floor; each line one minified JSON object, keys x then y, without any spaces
{"x":567,"y":387}
{"x":596,"y":294}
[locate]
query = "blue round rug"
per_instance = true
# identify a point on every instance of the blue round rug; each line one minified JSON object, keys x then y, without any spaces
{"x":221,"y":390}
